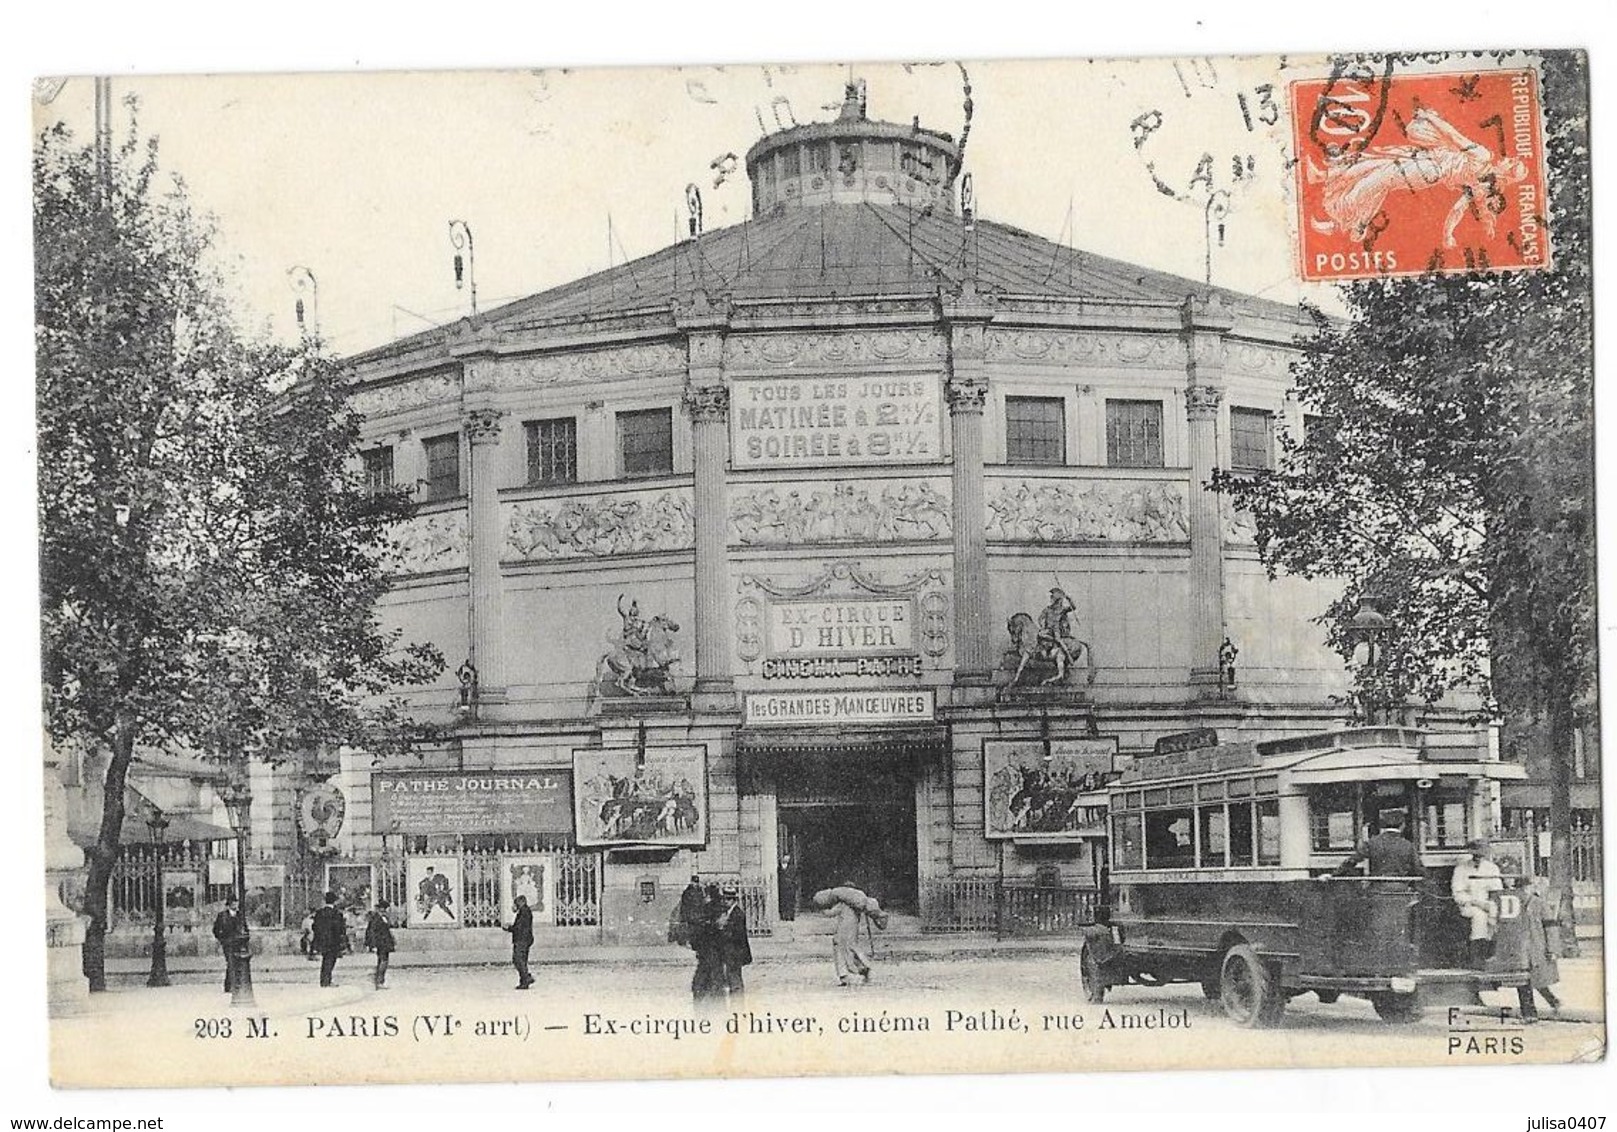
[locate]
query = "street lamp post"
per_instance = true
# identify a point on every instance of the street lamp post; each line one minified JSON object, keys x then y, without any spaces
{"x":1218,"y":207}
{"x":157,"y":822}
{"x":238,"y":800}
{"x":460,"y":236}
{"x":1369,"y":628}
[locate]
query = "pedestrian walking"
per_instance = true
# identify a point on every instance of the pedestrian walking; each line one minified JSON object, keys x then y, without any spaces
{"x":735,"y":951}
{"x":1541,"y":939}
{"x":851,"y":908}
{"x":691,"y":902}
{"x":707,"y":983}
{"x":379,"y":938}
{"x":227,"y":925}
{"x":330,"y":937}
{"x":521,"y":930}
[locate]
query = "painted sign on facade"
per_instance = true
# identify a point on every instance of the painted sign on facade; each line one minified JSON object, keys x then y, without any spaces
{"x":844,"y":626}
{"x":786,"y":709}
{"x":1035,"y":791}
{"x":640,"y":796}
{"x":803,"y":421}
{"x":465,"y":801}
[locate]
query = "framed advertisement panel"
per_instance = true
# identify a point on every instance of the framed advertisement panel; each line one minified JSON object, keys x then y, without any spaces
{"x":433,"y":885}
{"x":354,"y":883}
{"x":1033,"y":788}
{"x":529,"y":876}
{"x":266,"y":895}
{"x":633,"y":796}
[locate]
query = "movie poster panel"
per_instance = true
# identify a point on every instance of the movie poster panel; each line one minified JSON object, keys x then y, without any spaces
{"x":181,"y":890}
{"x":528,"y":876}
{"x":632,"y":796}
{"x":266,"y":895}
{"x":433,"y":884}
{"x":1034,"y":790}
{"x":354,"y":884}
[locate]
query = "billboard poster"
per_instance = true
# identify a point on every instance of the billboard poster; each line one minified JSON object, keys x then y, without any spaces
{"x":433,"y":884}
{"x":1034,"y":790}
{"x":633,"y":796}
{"x":530,"y":876}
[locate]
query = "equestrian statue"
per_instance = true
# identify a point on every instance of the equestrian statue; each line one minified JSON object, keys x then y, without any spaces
{"x":1047,"y":645}
{"x":639,"y":661}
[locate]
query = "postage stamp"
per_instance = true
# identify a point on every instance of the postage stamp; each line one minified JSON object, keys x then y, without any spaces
{"x":1403,"y":174}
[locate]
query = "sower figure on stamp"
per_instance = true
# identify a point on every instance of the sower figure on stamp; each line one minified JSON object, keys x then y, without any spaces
{"x":521,"y":930}
{"x":330,"y":934}
{"x":227,"y":925}
{"x":379,"y":938}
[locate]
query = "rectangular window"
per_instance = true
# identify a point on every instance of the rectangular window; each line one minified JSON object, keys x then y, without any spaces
{"x":379,"y":469}
{"x":646,"y":442}
{"x":1333,"y":817}
{"x":1133,"y":434}
{"x":792,"y":163}
{"x":1126,"y":841}
{"x":1241,"y":834}
{"x":1251,"y":440}
{"x":1446,"y":817}
{"x":443,"y":467}
{"x":1268,"y":832}
{"x":819,"y":157}
{"x":1170,"y":841}
{"x":1035,"y":430}
{"x":1211,"y":830}
{"x":552,"y":451}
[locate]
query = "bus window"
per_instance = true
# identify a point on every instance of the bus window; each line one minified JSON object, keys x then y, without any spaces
{"x":1169,"y":839}
{"x":1241,"y":834}
{"x":1446,"y":814}
{"x":1127,"y":842}
{"x":1268,"y":832}
{"x":1333,"y":817}
{"x":1211,"y":826}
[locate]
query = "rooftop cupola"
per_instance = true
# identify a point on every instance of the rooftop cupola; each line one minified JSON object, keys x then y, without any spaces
{"x":852,"y":159}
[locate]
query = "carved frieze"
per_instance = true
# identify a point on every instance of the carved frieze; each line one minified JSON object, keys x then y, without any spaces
{"x":1078,"y":346}
{"x":1056,"y":511}
{"x":438,"y":389}
{"x":599,"y":526}
{"x":871,"y":511}
{"x":1268,"y":361}
{"x":853,"y":347}
{"x":1240,"y":528}
{"x":588,"y":366}
{"x":428,"y":543}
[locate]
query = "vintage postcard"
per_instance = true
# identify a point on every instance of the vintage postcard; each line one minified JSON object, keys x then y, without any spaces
{"x":723,"y":571}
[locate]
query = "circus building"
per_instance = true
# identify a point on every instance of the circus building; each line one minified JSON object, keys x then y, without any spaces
{"x":858,"y":541}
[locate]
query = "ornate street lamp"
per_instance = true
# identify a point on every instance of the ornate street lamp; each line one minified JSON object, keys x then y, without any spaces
{"x":1368,"y":630}
{"x":238,"y":799}
{"x":303,"y":282}
{"x":157,"y":823}
{"x":1218,"y":208}
{"x":460,"y":236}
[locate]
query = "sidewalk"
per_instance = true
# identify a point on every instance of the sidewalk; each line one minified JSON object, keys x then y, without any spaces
{"x":765,"y":950}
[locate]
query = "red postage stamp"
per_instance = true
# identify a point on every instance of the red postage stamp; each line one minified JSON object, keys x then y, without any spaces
{"x":1412,"y":174}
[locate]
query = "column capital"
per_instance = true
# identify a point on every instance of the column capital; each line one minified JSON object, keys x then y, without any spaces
{"x":966,"y":394}
{"x":1202,"y":401}
{"x":707,"y":402}
{"x":483,"y":425}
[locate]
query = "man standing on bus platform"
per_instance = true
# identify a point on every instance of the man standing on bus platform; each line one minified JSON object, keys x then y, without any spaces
{"x":1389,"y":852}
{"x":1475,"y":883}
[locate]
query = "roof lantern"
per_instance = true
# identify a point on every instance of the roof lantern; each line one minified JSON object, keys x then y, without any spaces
{"x":852,"y":159}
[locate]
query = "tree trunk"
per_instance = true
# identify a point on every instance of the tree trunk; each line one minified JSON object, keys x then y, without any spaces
{"x":1561,"y":744}
{"x":104,"y":855}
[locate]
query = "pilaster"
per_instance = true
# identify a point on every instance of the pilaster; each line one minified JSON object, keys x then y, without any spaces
{"x":1205,"y":325}
{"x":965,"y":319}
{"x":485,"y":598}
{"x":707,"y":402}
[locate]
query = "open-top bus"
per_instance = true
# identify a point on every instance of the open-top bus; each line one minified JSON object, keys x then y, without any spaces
{"x":1221,"y":864}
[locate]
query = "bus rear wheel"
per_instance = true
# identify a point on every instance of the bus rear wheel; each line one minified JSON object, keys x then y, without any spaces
{"x":1247,"y":991}
{"x":1399,"y":1009}
{"x":1091,"y":975}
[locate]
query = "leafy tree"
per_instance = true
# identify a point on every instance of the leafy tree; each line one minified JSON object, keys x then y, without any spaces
{"x":209,"y":556}
{"x":1449,"y":473}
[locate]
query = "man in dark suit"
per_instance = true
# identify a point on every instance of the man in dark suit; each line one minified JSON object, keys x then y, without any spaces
{"x":1389,"y":852}
{"x":330,"y":937}
{"x":521,"y":930}
{"x":228,"y":925}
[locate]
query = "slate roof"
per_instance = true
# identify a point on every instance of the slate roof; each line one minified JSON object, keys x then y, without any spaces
{"x":841,"y":251}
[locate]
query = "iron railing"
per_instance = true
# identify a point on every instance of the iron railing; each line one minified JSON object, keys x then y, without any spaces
{"x":974,"y":903}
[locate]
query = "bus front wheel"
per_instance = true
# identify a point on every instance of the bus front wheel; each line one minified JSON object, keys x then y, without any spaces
{"x":1399,"y":1009}
{"x":1247,"y":991}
